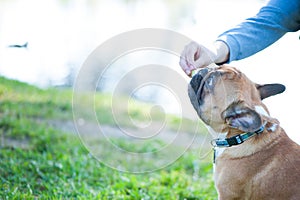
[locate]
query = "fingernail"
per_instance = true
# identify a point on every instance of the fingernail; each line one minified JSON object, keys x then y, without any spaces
{"x":188,"y":72}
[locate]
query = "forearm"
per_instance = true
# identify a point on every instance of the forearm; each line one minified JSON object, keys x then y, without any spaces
{"x":248,"y":39}
{"x":257,"y":33}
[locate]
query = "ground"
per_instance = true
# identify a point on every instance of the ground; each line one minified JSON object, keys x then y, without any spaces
{"x":42,"y":158}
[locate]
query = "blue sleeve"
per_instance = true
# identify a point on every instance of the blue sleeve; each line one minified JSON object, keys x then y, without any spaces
{"x":255,"y":34}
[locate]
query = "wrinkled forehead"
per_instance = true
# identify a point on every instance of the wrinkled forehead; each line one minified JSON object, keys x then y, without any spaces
{"x":228,"y":77}
{"x":219,"y":72}
{"x":206,"y":79}
{"x":233,"y":84}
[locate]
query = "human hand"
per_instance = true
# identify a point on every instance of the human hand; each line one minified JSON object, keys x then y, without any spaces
{"x":196,"y":56}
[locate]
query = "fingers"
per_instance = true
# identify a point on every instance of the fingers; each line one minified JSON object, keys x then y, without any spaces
{"x":186,"y":67}
{"x":187,"y":58}
{"x":195,"y":56}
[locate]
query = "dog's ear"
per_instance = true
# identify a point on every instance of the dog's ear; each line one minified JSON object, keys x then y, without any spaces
{"x":241,"y":117}
{"x":268,"y":90}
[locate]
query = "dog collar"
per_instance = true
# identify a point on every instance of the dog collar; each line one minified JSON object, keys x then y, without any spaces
{"x":237,"y":139}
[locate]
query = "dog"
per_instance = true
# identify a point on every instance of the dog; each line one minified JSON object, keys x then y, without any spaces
{"x":254,"y":158}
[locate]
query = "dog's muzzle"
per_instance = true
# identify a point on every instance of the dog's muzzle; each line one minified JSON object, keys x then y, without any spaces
{"x":203,"y":82}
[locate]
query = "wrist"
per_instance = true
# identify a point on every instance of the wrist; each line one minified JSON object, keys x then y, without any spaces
{"x":221,"y":52}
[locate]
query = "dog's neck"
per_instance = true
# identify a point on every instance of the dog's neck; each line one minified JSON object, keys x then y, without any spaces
{"x":255,"y":144}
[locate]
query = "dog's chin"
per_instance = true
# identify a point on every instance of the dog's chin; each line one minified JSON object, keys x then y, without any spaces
{"x":206,"y":120}
{"x":217,"y":125}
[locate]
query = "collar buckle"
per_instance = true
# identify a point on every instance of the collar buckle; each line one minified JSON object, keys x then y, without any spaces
{"x":235,"y":140}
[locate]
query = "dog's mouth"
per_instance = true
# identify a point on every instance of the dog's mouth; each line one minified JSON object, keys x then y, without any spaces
{"x":203,"y":81}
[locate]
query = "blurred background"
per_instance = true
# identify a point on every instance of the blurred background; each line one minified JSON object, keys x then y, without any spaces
{"x":46,"y":42}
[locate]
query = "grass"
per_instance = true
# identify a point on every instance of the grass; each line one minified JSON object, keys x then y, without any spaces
{"x":38,"y":161}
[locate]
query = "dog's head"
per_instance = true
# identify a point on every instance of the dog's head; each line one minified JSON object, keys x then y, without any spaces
{"x":225,"y":98}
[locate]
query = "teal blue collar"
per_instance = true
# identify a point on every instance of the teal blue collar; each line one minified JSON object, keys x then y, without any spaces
{"x":237,"y":139}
